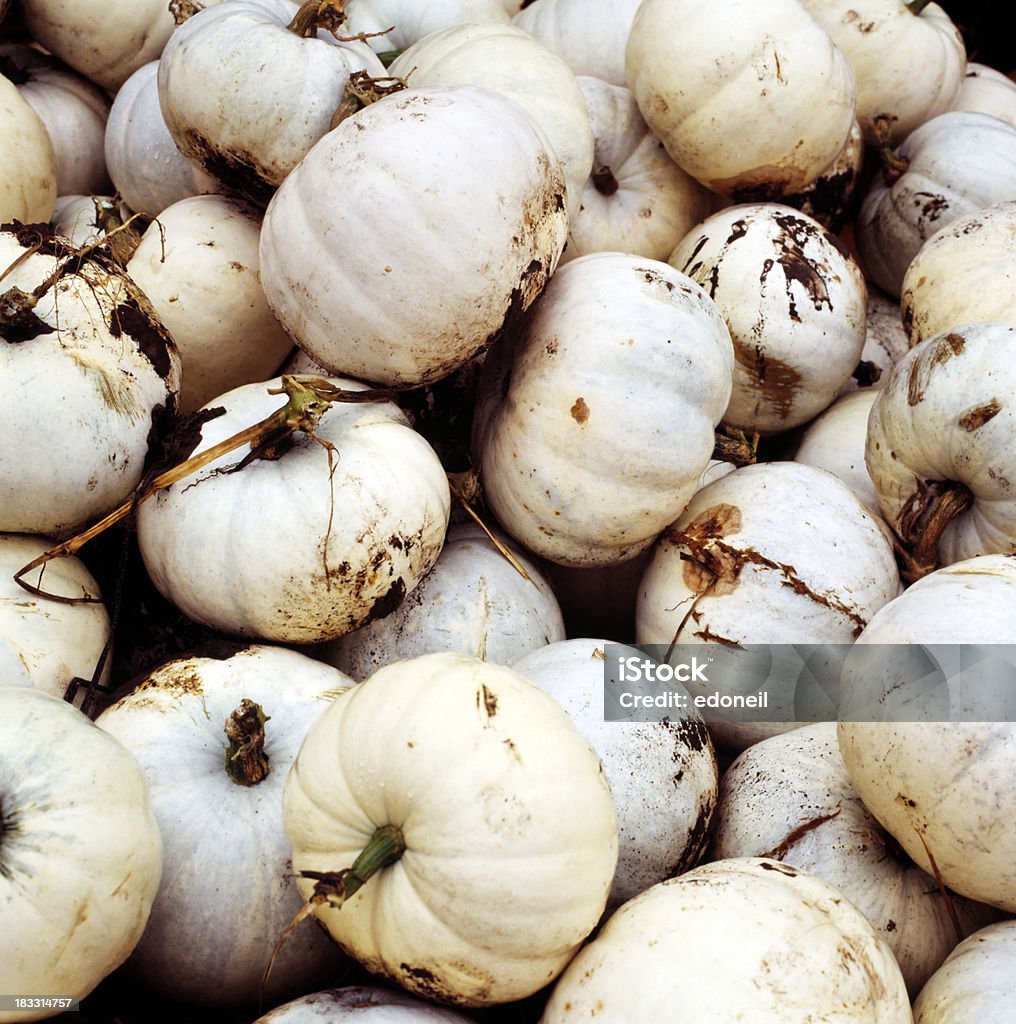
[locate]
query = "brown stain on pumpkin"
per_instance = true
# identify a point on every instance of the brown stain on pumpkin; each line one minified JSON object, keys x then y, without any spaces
{"x":777,"y":381}
{"x":976,"y":418}
{"x":946,"y":348}
{"x":579,"y":410}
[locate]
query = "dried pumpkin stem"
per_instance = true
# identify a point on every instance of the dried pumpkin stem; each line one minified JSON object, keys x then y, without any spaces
{"x":916,"y":6}
{"x":246,"y":760}
{"x":921,"y":530}
{"x":733,"y":445}
{"x":315,"y":14}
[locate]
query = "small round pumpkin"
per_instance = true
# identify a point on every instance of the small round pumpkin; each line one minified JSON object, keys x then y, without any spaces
{"x":485,"y":813}
{"x":28,"y":185}
{"x":80,"y":850}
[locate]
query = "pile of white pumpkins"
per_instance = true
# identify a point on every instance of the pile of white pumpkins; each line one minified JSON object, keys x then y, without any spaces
{"x":251,"y":252}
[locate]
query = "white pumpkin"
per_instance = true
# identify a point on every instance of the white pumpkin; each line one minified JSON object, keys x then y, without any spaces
{"x":580,"y":467}
{"x":74,"y":111}
{"x":773,"y":553}
{"x":220,"y":109}
{"x":662,"y":774}
{"x":731,"y":89}
{"x":589,"y":34}
{"x":909,"y":60}
{"x":976,"y":982}
{"x":144,"y":163}
{"x":739,"y":939}
{"x":499,"y":822}
{"x":478,"y":197}
{"x":28,"y":184}
{"x":80,"y":850}
{"x":400,"y":23}
{"x":199,"y":266}
{"x":107,"y":48}
{"x":515,"y":64}
{"x":935,"y":772}
{"x":216,"y":738}
{"x":790,"y":798}
{"x":799,"y":330}
{"x":965,"y":273}
{"x":939,"y":446}
{"x":46,"y":643}
{"x":952,"y":166}
{"x":637,"y":200}
{"x":101,"y":370}
{"x":473,"y":600}
{"x":989,"y":91}
{"x":303,"y":547}
{"x":361,"y":1004}
{"x":835,"y":441}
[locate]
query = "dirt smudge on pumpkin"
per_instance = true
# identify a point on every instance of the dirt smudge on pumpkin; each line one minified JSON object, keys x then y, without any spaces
{"x":387,"y":602}
{"x":976,"y":418}
{"x":579,"y":410}
{"x":143,"y":327}
{"x":946,"y":348}
{"x":486,"y":700}
{"x":782,"y":848}
{"x":777,"y":381}
{"x":238,"y":171}
{"x":798,"y":268}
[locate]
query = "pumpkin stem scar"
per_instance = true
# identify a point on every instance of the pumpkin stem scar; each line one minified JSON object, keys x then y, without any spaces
{"x":383,"y":849}
{"x":309,"y":399}
{"x":923,"y":520}
{"x":246,"y":760}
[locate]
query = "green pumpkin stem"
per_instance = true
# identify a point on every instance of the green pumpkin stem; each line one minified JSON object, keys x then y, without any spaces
{"x":246,"y":760}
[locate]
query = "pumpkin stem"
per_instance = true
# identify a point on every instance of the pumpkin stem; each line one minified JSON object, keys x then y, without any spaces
{"x":733,"y":445}
{"x":923,"y":521}
{"x":309,"y":399}
{"x":466,"y":488}
{"x":184,"y":9}
{"x":246,"y":760}
{"x":894,"y":165}
{"x":384,"y":848}
{"x":604,"y":181}
{"x":362,"y":90}
{"x":916,"y":6}
{"x":315,"y":14}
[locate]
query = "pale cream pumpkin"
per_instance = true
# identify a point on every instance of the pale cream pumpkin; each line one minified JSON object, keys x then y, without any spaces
{"x":989,"y":91}
{"x":582,"y":468}
{"x":731,"y":89}
{"x":498,"y":823}
{"x":199,"y":266}
{"x":909,"y":60}
{"x":479,"y":200}
{"x":28,"y":185}
{"x":80,"y":850}
{"x":362,"y":1005}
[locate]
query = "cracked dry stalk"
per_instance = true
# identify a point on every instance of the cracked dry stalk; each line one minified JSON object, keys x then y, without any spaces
{"x":309,"y":399}
{"x":921,"y":523}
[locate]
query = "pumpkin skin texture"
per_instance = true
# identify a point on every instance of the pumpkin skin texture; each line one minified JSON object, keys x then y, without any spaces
{"x":987,"y":90}
{"x":799,"y":332}
{"x":28,"y":184}
{"x":965,"y":273}
{"x":956,"y":164}
{"x":885,"y":343}
{"x":509,"y":827}
{"x":199,"y":266}
{"x":790,"y":798}
{"x":411,"y":308}
{"x":976,"y":982}
{"x":362,"y":1005}
{"x":349,"y":537}
{"x":518,"y":66}
{"x":100,"y":369}
{"x":731,"y":89}
{"x":742,"y":939}
{"x":473,"y":600}
{"x":227,"y":892}
{"x":144,"y":163}
{"x":945,"y":421}
{"x":583,"y":469}
{"x":211,"y":90}
{"x":908,"y":67}
{"x":76,"y":826}
{"x":46,"y":643}
{"x":941,"y":787}
{"x":662,"y":774}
